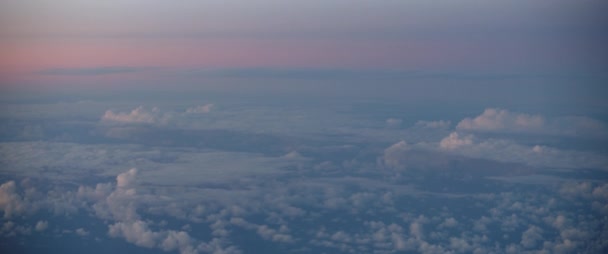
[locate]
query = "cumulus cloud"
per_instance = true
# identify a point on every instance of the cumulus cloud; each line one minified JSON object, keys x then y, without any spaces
{"x":531,"y":237}
{"x":126,"y":179}
{"x":275,"y":235}
{"x":394,"y":156}
{"x":82,"y":232}
{"x":455,"y":140}
{"x":123,"y":124}
{"x":41,"y":225}
{"x":138,"y":115}
{"x":178,"y":240}
{"x":11,"y":203}
{"x":136,"y":232}
{"x":120,"y":205}
{"x":10,"y":228}
{"x":501,"y":120}
{"x":494,"y":119}
{"x":509,"y":151}
{"x":449,"y":223}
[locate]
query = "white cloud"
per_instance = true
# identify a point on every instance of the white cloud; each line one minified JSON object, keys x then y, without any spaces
{"x":138,"y":115}
{"x":200,"y":109}
{"x":126,"y":179}
{"x":493,"y":119}
{"x":178,"y":240}
{"x":41,"y":225}
{"x":394,"y":156}
{"x":294,"y":155}
{"x":393,"y":122}
{"x":449,"y":223}
{"x":454,"y":140}
{"x":11,"y":203}
{"x":538,"y":149}
{"x":10,"y":228}
{"x":501,"y":120}
{"x":275,"y":235}
{"x":416,"y":229}
{"x":136,"y":232}
{"x":531,"y":237}
{"x":508,"y":151}
{"x":82,"y":232}
{"x":601,"y":192}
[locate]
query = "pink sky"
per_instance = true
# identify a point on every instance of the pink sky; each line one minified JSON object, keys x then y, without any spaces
{"x":418,"y":36}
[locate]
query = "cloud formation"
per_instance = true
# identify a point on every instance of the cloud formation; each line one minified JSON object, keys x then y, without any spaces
{"x":200,"y":109}
{"x":455,"y":140}
{"x":10,"y":201}
{"x":138,"y":115}
{"x":394,"y":156}
{"x":494,"y":119}
{"x":503,"y":121}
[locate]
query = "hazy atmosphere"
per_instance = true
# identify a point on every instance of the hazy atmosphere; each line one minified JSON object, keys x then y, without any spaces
{"x":333,"y":126}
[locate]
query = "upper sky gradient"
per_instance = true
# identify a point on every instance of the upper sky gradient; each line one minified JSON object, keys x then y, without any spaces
{"x":122,"y":41}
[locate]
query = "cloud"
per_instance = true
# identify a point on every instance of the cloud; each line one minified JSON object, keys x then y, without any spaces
{"x":178,"y":240}
{"x":275,"y":235}
{"x":122,"y":206}
{"x":504,"y":121}
{"x":200,"y":109}
{"x":394,"y":156}
{"x":126,"y":179}
{"x":531,"y":237}
{"x":393,"y":122}
{"x":10,"y":228}
{"x":136,"y":232}
{"x":509,"y":151}
{"x":493,"y":119}
{"x":94,"y":71}
{"x":41,"y":225}
{"x":81,"y":232}
{"x":449,"y":223}
{"x":294,"y":155}
{"x":11,"y":203}
{"x":454,"y":140}
{"x":153,"y":117}
{"x":139,"y":115}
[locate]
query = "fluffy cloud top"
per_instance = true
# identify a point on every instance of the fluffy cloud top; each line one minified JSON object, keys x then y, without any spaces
{"x":10,"y":201}
{"x":494,"y":119}
{"x":136,"y":232}
{"x":138,"y":115}
{"x":41,"y":225}
{"x":126,"y":179}
{"x":454,"y":140}
{"x":394,"y":155}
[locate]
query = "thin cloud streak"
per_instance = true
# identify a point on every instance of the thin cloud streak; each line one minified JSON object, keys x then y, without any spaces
{"x":92,"y":71}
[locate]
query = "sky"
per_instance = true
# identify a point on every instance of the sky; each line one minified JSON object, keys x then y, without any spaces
{"x":331,"y":126}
